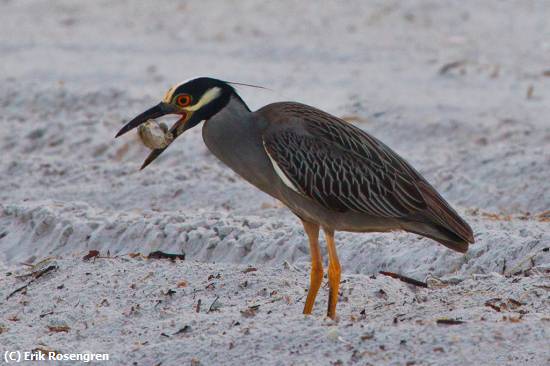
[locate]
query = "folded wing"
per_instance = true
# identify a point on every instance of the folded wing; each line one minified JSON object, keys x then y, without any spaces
{"x":343,"y":168}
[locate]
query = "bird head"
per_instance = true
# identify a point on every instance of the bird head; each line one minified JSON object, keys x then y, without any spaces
{"x":195,"y":101}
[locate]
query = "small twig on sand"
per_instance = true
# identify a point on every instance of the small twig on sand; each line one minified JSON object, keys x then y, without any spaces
{"x":211,"y":308}
{"x":198,"y":308}
{"x":451,"y":65}
{"x":185,"y":329}
{"x":161,"y":255}
{"x":18,"y":290}
{"x":408,"y":280}
{"x":45,"y":314}
{"x":449,"y":321}
{"x":36,"y":275}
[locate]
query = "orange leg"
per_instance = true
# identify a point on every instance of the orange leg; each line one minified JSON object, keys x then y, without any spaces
{"x":312,"y":231}
{"x":334,"y":271}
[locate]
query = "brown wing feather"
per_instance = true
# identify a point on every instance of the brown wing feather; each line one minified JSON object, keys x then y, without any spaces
{"x":339,"y":180}
{"x":344,"y":168}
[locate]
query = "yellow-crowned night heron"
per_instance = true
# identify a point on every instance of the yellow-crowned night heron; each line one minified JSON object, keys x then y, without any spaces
{"x":328,"y":172}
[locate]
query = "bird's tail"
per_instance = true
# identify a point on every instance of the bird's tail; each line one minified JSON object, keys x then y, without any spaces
{"x":437,"y":233}
{"x":441,"y":222}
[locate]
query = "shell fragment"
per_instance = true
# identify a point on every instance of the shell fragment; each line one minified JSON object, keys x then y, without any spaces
{"x":155,"y":135}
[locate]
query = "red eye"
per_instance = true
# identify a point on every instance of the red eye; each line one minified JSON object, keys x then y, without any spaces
{"x":183,"y":100}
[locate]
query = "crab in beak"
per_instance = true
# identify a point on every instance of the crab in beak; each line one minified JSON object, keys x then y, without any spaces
{"x":157,"y":111}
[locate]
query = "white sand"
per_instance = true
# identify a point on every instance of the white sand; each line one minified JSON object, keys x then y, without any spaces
{"x":73,"y":73}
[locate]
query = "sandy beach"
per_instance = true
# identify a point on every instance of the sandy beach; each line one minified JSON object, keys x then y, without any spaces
{"x":460,"y":89}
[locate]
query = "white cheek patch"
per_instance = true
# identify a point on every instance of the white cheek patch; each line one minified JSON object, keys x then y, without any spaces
{"x":206,"y":98}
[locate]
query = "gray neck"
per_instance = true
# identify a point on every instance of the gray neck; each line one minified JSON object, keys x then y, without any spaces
{"x":234,"y":135}
{"x":234,"y":111}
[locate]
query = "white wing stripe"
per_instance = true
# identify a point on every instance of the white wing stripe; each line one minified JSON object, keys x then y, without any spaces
{"x":281,"y":174}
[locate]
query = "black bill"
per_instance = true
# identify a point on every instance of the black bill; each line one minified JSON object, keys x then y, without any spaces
{"x":157,"y":111}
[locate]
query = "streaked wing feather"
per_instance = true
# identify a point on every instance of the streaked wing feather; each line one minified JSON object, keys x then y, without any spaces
{"x":344,"y":168}
{"x":340,"y":179}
